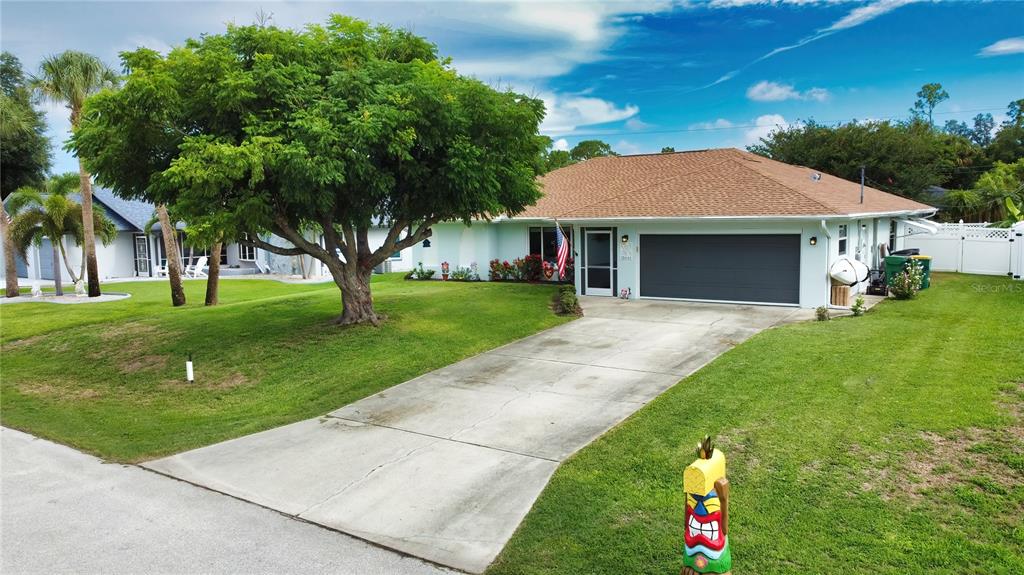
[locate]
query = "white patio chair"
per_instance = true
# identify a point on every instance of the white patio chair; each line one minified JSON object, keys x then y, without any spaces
{"x":196,"y":271}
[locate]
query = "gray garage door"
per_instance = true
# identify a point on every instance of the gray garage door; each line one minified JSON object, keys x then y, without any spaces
{"x":754,"y":268}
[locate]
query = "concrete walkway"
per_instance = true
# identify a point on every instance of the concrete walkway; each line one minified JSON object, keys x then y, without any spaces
{"x":67,"y":512}
{"x":446,"y":466}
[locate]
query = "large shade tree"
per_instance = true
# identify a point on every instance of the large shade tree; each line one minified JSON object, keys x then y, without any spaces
{"x":24,"y":151}
{"x":69,"y":78}
{"x":332,"y":128}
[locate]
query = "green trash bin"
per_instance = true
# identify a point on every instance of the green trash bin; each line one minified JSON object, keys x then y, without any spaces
{"x":894,"y":266}
{"x":926,"y":269}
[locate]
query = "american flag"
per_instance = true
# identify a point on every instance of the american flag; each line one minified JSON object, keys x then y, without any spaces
{"x":563,"y":250}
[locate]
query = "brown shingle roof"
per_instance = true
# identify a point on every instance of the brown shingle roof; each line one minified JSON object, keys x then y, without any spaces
{"x":707,"y":183}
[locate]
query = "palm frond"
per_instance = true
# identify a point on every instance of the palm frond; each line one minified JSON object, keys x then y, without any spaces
{"x":22,"y":198}
{"x":70,"y":77}
{"x":63,"y":184}
{"x":27,"y":228}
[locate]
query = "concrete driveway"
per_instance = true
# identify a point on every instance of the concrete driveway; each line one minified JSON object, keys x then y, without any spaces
{"x":67,"y":512}
{"x":445,"y":466}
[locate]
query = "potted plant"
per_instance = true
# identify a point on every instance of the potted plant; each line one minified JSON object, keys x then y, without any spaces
{"x":444,"y":271}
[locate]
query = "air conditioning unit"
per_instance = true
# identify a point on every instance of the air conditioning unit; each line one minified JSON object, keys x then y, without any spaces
{"x":383,"y":268}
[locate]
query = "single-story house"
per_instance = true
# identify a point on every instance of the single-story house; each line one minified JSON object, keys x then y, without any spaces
{"x":134,"y":253}
{"x":718,"y":225}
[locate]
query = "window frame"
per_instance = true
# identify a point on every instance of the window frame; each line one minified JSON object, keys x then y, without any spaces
{"x":892,"y":236}
{"x":842,"y":239}
{"x":242,"y":247}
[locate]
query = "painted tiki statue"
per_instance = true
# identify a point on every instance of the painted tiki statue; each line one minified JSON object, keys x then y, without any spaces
{"x":706,"y":548}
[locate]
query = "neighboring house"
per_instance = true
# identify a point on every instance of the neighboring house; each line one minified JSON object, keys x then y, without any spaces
{"x":714,"y":225}
{"x":133,"y":253}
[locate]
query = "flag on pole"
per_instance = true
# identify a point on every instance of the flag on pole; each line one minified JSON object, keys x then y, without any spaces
{"x":563,"y":250}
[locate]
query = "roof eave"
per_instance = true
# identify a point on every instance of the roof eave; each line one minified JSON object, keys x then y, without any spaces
{"x":891,"y":213}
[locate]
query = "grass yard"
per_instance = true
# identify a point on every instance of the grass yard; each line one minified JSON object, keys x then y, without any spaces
{"x":108,"y":378}
{"x":891,"y":443}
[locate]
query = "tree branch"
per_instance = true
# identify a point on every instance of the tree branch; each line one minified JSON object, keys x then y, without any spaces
{"x":284,"y":230}
{"x":421,"y":234}
{"x":279,"y":250}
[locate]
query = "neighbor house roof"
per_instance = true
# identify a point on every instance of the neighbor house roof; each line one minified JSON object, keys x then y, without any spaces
{"x":135,"y":212}
{"x":705,"y":183}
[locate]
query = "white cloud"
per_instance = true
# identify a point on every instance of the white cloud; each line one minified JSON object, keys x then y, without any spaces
{"x":625,"y":148}
{"x":719,"y":124}
{"x":765,"y":91}
{"x":637,"y":124}
{"x":852,"y":19}
{"x":566,"y":113}
{"x":582,"y":31}
{"x":763,"y":126}
{"x":858,"y":16}
{"x":1004,"y":47}
{"x":560,"y":144}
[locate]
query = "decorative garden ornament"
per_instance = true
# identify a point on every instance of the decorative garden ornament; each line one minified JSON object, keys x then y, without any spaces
{"x":37,"y":290}
{"x":706,"y":546}
{"x":444,"y":270}
{"x":80,"y":288}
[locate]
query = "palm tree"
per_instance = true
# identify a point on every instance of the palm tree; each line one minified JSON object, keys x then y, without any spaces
{"x":51,"y":213}
{"x":168,"y":233}
{"x":69,"y":78}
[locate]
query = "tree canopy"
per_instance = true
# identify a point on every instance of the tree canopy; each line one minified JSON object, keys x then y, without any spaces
{"x":332,"y":128}
{"x":904,"y":157}
{"x":25,"y":153}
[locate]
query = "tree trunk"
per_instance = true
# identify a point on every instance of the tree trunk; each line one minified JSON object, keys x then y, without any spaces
{"x":57,"y":287}
{"x":173,"y":261}
{"x":10,"y":267}
{"x":89,"y":245}
{"x":213,"y":280}
{"x":356,"y":299}
{"x":67,"y":262}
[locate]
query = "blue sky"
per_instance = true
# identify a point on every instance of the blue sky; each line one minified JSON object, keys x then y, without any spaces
{"x":639,"y":75}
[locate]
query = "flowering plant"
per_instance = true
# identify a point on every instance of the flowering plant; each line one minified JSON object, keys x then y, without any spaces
{"x":444,"y":267}
{"x":907,"y":283}
{"x":532,"y":267}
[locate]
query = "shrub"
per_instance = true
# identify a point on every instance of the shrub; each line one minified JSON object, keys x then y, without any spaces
{"x":858,"y":308}
{"x":420,"y":273}
{"x":464,"y":274}
{"x":821,"y":313}
{"x":532,"y":268}
{"x":496,"y":271}
{"x":515,"y":270}
{"x":907,"y":283}
{"x":566,"y":302}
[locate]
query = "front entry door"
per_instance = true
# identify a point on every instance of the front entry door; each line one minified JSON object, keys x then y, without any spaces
{"x":141,"y":255}
{"x":599,"y":262}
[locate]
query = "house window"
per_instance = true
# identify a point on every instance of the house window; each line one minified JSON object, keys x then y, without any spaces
{"x":892,"y":235}
{"x":842,"y":239}
{"x":544,"y":242}
{"x":246,"y":252}
{"x":396,"y":256}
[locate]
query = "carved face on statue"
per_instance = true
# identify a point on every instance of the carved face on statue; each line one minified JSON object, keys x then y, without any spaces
{"x":706,"y":548}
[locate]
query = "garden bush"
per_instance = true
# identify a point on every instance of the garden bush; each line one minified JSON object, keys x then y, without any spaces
{"x":907,"y":283}
{"x":566,"y":302}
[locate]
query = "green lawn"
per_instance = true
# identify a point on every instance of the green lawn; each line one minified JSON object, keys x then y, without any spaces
{"x":108,"y":378}
{"x":891,"y":443}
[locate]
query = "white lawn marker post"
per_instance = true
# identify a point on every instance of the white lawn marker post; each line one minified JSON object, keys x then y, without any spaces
{"x":188,"y":369}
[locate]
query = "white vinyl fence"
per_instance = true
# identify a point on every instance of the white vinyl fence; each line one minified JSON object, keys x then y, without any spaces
{"x":966,"y":248}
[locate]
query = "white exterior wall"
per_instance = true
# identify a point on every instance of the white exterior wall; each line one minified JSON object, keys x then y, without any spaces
{"x":116,"y":260}
{"x":814,"y":283}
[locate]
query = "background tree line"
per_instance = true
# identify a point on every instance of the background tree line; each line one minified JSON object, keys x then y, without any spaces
{"x":969,"y":171}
